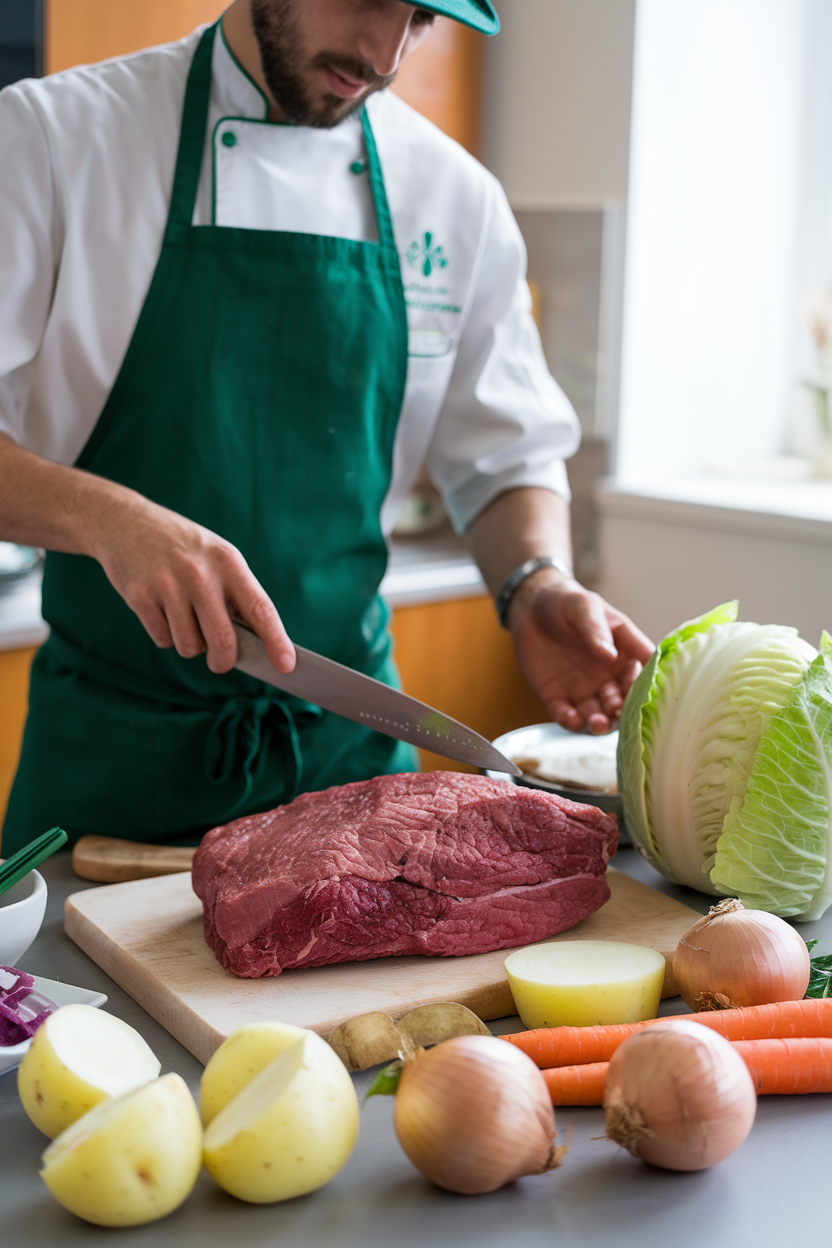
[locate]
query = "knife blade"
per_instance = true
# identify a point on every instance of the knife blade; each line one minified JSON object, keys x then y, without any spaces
{"x":364,"y":700}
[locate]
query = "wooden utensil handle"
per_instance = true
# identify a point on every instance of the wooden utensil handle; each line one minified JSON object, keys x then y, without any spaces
{"x":109,"y":861}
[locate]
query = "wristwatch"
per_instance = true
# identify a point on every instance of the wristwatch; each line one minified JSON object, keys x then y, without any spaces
{"x":519,"y":575}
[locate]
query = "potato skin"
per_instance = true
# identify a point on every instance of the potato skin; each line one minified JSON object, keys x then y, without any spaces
{"x":52,"y":1095}
{"x":133,"y":1160}
{"x":238,"y":1059}
{"x":298,"y":1141}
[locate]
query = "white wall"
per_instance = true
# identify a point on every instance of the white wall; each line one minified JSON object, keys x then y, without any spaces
{"x":558,"y":84}
{"x":665,"y":561}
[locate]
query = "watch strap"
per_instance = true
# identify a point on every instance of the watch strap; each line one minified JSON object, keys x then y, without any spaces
{"x":519,"y":575}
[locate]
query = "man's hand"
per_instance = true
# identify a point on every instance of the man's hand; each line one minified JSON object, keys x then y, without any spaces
{"x":575,"y":650}
{"x":184,"y":582}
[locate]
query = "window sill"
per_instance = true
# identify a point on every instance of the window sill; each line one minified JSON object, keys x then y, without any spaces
{"x":780,"y":500}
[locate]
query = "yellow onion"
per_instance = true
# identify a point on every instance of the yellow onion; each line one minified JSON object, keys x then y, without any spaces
{"x":474,"y":1113}
{"x":679,"y":1096}
{"x":736,"y":957}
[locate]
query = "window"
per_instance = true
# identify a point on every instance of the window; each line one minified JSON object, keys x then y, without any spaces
{"x":729,"y":223}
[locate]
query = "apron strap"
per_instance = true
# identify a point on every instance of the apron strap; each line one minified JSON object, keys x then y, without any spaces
{"x":384,"y":221}
{"x":192,"y":132}
{"x":240,"y":726}
{"x":237,"y":738}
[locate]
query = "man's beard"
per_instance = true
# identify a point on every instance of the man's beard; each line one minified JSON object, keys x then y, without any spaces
{"x":281,"y":56}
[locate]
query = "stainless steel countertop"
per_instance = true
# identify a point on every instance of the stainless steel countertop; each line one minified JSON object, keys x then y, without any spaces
{"x":773,"y":1191}
{"x":430,"y":567}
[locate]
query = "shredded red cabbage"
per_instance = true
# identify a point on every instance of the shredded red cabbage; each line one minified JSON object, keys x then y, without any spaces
{"x":22,"y":1010}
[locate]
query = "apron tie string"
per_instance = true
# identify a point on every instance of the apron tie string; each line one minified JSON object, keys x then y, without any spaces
{"x":237,"y":737}
{"x":241,"y":726}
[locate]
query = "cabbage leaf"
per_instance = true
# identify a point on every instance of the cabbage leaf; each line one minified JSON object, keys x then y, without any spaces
{"x":776,"y":845}
{"x":632,"y":749}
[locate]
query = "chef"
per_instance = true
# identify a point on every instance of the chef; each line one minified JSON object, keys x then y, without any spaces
{"x":246,"y":292}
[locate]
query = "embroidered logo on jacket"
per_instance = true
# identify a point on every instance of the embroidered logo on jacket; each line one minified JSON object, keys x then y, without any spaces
{"x":426,"y":255}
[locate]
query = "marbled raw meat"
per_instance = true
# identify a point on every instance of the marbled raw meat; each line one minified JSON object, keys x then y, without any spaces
{"x":434,"y":863}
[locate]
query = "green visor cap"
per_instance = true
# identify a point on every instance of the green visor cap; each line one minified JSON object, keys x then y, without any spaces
{"x":478,"y":14}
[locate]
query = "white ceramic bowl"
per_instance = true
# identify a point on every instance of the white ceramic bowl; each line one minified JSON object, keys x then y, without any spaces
{"x":22,"y":908}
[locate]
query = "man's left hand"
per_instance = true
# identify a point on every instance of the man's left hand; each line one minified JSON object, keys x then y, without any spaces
{"x":580,"y":654}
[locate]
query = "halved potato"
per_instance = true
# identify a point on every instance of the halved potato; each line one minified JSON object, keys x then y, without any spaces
{"x":78,"y":1056}
{"x":131,"y":1159}
{"x":290,"y":1129}
{"x":238,"y":1059}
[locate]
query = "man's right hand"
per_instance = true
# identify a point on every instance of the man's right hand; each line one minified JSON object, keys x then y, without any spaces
{"x":183,"y":581}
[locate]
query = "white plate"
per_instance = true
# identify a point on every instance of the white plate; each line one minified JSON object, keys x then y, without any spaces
{"x":11,"y":1055}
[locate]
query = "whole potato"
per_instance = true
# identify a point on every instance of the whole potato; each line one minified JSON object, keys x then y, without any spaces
{"x":131,"y":1159}
{"x":238,"y":1059}
{"x":290,"y":1129}
{"x":78,"y":1056}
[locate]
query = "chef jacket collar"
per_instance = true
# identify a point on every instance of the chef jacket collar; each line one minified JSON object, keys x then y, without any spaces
{"x":235,"y":93}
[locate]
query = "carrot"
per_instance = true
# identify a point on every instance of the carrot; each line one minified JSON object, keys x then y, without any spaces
{"x":567,"y":1046}
{"x":778,"y":1067}
{"x":788,"y":1066}
{"x":572,"y":1046}
{"x":577,"y":1085}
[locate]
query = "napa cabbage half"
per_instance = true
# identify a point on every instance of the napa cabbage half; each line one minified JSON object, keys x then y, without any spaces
{"x":725,"y":763}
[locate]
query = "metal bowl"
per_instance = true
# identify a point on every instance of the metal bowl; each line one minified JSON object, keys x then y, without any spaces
{"x":17,"y":561}
{"x":526,"y":743}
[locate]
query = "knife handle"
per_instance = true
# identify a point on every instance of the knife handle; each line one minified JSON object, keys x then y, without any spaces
{"x":110,"y":861}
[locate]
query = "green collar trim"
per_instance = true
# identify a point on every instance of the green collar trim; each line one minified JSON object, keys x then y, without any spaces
{"x":248,"y":76}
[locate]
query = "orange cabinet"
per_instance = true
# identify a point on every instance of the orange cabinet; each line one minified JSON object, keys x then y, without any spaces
{"x":14,"y":693}
{"x":78,"y":32}
{"x":455,"y":656}
{"x":442,"y":80}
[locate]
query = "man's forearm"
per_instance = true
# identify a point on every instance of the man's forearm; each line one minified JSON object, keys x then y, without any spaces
{"x":181,"y":579}
{"x":59,"y":508}
{"x":519,"y":525}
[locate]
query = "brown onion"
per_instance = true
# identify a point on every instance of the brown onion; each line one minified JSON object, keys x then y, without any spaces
{"x":679,"y":1096}
{"x":736,"y":957}
{"x":474,"y":1113}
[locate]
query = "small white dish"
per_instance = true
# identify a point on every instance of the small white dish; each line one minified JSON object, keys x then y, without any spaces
{"x":62,"y":994}
{"x":22,"y":908}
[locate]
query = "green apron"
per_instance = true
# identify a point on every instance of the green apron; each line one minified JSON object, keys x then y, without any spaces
{"x":259,"y":396}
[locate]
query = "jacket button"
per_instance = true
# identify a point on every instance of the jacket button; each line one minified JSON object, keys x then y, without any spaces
{"x":357,"y":167}
{"x":229,"y":138}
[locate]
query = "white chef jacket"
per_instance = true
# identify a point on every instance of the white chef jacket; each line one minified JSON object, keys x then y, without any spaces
{"x":86,"y":168}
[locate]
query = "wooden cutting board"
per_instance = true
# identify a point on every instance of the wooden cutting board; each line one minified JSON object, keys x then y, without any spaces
{"x":147,"y":935}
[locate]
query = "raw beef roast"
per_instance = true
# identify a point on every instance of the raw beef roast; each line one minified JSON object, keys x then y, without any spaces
{"x":432,"y":863}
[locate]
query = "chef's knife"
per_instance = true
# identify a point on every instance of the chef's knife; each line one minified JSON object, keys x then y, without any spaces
{"x":366,"y":701}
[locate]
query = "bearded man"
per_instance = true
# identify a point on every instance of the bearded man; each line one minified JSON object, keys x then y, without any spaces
{"x":247,"y":293}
